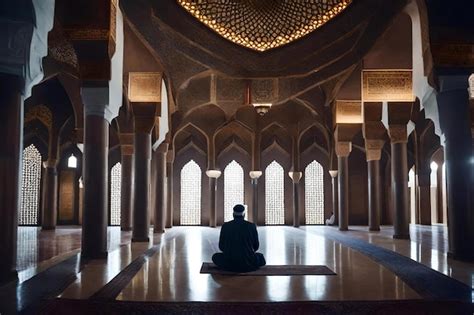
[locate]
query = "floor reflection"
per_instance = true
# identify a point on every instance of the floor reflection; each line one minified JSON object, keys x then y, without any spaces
{"x":173,"y":273}
{"x":428,"y":246}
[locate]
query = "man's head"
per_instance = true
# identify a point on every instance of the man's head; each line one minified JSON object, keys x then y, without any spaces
{"x":239,"y":211}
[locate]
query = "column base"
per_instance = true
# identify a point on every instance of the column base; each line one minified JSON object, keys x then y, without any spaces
{"x":126,"y":229}
{"x":401,"y":237}
{"x":296,"y":225}
{"x":374,"y":229}
{"x":140,"y":239}
{"x":462,"y":257}
{"x":343,"y":229}
{"x":159,"y":231}
{"x":48,"y":228}
{"x":102,"y":255}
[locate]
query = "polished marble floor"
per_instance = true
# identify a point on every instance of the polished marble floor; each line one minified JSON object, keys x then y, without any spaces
{"x":37,"y":250}
{"x":172,"y":273}
{"x":428,"y":246}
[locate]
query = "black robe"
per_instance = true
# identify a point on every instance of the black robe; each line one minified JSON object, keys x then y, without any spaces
{"x":238,"y":242}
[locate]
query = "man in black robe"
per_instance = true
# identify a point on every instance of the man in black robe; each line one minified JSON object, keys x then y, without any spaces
{"x":238,"y":242}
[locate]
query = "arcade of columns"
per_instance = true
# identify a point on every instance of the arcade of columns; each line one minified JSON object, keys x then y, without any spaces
{"x":381,"y":119}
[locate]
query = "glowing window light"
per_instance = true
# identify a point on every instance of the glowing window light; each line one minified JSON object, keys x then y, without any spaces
{"x":274,"y":194}
{"x":30,"y":188}
{"x":72,"y":161}
{"x":190,"y":194}
{"x":115,"y":193}
{"x":233,"y":189}
{"x":314,"y":193}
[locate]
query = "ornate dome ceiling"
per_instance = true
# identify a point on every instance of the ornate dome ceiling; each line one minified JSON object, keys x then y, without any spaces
{"x":264,"y":24}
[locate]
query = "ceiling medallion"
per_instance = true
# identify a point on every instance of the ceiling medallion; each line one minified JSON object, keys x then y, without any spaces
{"x":264,"y":24}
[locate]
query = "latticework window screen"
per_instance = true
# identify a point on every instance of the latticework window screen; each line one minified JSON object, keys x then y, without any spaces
{"x":274,"y":194}
{"x":190,"y":194}
{"x":30,"y":192}
{"x":233,"y":188}
{"x":115,"y":193}
{"x":314,"y":193}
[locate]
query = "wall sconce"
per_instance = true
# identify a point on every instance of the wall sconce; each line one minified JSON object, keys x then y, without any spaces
{"x":213,"y":173}
{"x":81,"y":183}
{"x":262,"y":108}
{"x":255,"y":174}
{"x":72,"y":161}
{"x":295,"y":176}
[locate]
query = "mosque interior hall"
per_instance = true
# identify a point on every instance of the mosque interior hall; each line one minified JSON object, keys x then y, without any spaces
{"x":130,"y":130}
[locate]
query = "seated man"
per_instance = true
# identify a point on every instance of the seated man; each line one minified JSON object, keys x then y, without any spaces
{"x":238,"y":242}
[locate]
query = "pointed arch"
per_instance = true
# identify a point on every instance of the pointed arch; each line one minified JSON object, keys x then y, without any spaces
{"x":190,"y":178}
{"x":233,"y":188}
{"x":274,"y":194}
{"x":30,"y":184}
{"x":314,"y":193}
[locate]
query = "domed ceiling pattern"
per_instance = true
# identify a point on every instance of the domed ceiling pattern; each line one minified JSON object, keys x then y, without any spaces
{"x":264,"y":24}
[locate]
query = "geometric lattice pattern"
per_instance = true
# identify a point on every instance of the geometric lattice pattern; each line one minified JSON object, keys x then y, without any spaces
{"x":314,"y":193}
{"x":190,"y":194}
{"x":233,"y":188}
{"x":264,"y":24}
{"x":115,"y":193}
{"x":274,"y":194}
{"x":30,"y":186}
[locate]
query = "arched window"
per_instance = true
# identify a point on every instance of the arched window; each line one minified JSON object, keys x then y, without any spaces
{"x":314,"y":193}
{"x":72,"y":161}
{"x":274,"y":194}
{"x":434,"y":193}
{"x":233,"y":188}
{"x":31,"y":179}
{"x":411,"y":187}
{"x":115,"y":193}
{"x":190,"y":194}
{"x":471,"y":86}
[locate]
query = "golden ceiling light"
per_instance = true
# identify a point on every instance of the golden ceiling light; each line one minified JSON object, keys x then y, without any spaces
{"x":264,"y":24}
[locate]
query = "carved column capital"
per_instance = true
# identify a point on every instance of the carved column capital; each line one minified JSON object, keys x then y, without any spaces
{"x":398,"y":133}
{"x":373,"y":149}
{"x":343,"y":148}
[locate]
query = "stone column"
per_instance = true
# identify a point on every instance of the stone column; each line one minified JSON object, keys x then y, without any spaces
{"x":144,"y":122}
{"x":375,"y":136}
{"x":254,"y":176}
{"x":213,"y":176}
{"x":399,"y":169}
{"x":424,"y":196}
{"x":50,"y":195}
{"x":11,"y":131}
{"x":454,"y":115}
{"x":126,"y":185}
{"x":335,"y":196}
{"x":161,"y":193}
{"x":296,"y":177}
{"x":343,"y":150}
{"x":373,"y":154}
{"x":49,"y":203}
{"x":95,"y":172}
{"x":169,"y":199}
